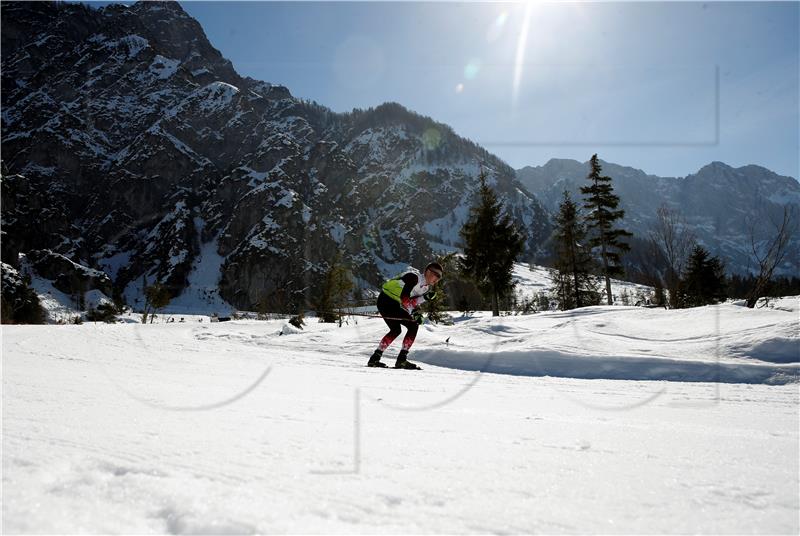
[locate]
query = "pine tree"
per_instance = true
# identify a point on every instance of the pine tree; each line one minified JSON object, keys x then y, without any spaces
{"x":491,"y":245}
{"x":602,"y":204}
{"x":332,"y":295}
{"x":156,"y":298}
{"x":704,"y":281}
{"x":573,"y":282}
{"x":436,"y":307}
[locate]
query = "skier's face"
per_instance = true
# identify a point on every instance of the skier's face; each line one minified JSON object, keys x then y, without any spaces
{"x":431,"y":277}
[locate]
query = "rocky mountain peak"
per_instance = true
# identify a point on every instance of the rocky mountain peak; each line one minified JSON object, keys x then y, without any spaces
{"x":152,"y":160}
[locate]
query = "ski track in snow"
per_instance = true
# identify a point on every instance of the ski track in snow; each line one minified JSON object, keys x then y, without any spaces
{"x":321,"y":446}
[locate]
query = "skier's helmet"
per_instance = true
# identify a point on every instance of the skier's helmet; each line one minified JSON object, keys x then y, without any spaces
{"x":436,"y":268}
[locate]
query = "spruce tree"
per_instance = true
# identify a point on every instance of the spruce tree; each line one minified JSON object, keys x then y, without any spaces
{"x":332,"y":293}
{"x":156,"y":298}
{"x":601,"y":202}
{"x":491,"y":245}
{"x":704,"y":281}
{"x":436,"y":308}
{"x":573,"y":282}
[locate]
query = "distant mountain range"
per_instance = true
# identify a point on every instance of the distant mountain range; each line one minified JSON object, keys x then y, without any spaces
{"x":719,"y":202}
{"x":132,"y":148}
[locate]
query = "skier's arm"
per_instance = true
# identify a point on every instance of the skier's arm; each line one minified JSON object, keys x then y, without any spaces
{"x":409,"y":303}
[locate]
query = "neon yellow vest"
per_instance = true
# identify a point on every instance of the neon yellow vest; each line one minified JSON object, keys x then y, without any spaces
{"x":394,"y":286}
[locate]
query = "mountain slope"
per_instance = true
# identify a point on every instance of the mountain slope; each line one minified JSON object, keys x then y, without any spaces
{"x":144,"y":143}
{"x":719,"y":202}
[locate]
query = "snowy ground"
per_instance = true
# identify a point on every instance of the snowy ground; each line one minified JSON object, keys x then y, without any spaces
{"x":231,"y":427}
{"x":532,"y":280}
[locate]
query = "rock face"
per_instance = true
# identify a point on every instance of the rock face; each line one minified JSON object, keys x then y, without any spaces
{"x":129,"y":141}
{"x":68,"y":276}
{"x":719,"y":202}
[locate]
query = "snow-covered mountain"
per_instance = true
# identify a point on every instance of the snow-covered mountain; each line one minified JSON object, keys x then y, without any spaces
{"x":130,"y":144}
{"x":718,"y":202}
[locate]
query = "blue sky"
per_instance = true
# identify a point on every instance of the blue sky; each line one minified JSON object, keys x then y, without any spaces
{"x":635,"y":82}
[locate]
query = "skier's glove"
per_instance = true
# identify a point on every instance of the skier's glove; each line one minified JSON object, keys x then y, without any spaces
{"x":417,"y":317}
{"x":430,"y":295}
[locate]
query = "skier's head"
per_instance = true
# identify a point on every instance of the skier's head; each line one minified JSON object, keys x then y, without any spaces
{"x":433,"y":273}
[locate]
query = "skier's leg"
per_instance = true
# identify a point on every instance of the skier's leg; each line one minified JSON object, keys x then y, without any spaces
{"x":385,"y":308}
{"x":411,"y":335}
{"x":408,"y":340}
{"x":394,"y":331}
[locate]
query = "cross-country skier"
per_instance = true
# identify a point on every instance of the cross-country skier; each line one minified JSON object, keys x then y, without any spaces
{"x":399,"y":304}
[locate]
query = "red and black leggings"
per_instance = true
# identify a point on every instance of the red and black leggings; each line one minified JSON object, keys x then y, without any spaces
{"x":390,"y":310}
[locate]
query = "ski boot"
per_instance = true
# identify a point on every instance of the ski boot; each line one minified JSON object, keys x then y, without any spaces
{"x":375,"y":359}
{"x":404,"y":363}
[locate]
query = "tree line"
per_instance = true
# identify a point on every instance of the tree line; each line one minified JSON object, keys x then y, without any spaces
{"x":588,"y":244}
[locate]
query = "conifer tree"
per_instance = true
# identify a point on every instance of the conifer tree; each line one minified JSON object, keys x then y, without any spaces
{"x":602,"y":203}
{"x":437,"y":306}
{"x":332,"y":295}
{"x":704,"y":281}
{"x":573,"y":282}
{"x":156,"y":298}
{"x":491,"y":245}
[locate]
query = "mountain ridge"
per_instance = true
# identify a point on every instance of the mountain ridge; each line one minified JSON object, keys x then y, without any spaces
{"x":142,"y":143}
{"x":719,"y":202}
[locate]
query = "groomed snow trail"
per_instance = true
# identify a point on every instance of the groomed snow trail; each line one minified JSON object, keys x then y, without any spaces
{"x":104,"y":430}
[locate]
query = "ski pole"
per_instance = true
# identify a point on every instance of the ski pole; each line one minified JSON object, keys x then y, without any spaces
{"x":345,"y":313}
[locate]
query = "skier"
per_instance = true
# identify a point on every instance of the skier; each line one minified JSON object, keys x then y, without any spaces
{"x":399,"y":304}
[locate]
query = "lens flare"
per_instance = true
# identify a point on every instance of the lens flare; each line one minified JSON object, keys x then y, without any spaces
{"x":459,"y":88}
{"x":496,"y":27}
{"x":431,"y":139}
{"x":520,"y":58}
{"x":472,"y":68}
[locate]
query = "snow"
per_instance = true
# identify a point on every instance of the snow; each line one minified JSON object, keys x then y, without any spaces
{"x":216,"y":96}
{"x":202,"y":293}
{"x":447,"y":228}
{"x":133,"y":294}
{"x":36,"y":169}
{"x":234,"y":428}
{"x":59,"y":307}
{"x":95,"y":298}
{"x":210,"y":98}
{"x":724,"y":343}
{"x":532,"y":280}
{"x":182,"y":147}
{"x":287,"y":199}
{"x":306,"y":213}
{"x":338,"y":231}
{"x":131,"y":44}
{"x":113,"y":264}
{"x":177,"y":255}
{"x":163,"y":67}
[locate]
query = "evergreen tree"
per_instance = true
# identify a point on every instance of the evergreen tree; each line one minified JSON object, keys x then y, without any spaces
{"x":436,"y":307}
{"x":491,"y":245}
{"x":704,"y":281}
{"x":332,"y":295}
{"x":156,"y":298}
{"x":19,"y":303}
{"x":659,"y":298}
{"x":574,"y":284}
{"x":602,"y":204}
